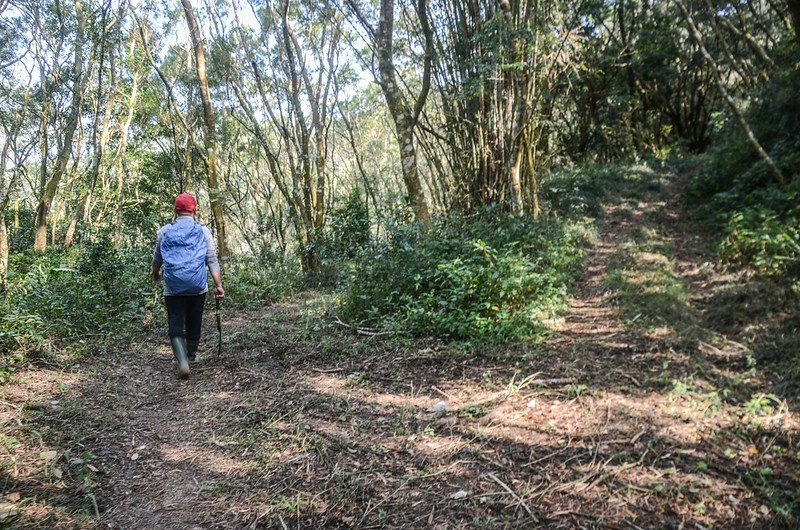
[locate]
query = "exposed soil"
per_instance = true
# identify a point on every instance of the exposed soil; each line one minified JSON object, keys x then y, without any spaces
{"x":303,"y":423}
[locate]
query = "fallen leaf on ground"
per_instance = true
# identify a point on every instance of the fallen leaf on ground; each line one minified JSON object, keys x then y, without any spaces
{"x":460,"y":495}
{"x":7,"y":511}
{"x":48,"y":456}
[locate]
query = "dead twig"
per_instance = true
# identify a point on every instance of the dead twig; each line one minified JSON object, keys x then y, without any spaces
{"x":371,"y":508}
{"x":551,"y":382}
{"x":442,"y":392}
{"x":360,"y":330}
{"x":549,"y":456}
{"x":513,"y":494}
{"x":632,"y":379}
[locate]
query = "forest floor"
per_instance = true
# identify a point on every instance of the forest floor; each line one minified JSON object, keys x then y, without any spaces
{"x":647,"y":407}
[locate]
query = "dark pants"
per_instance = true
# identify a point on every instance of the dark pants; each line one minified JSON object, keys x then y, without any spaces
{"x":185,"y":315}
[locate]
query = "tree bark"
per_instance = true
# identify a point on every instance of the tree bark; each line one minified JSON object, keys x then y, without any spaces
{"x":49,"y":188}
{"x":98,"y":147}
{"x":5,"y":190}
{"x":215,"y":184}
{"x":123,"y":172}
{"x":751,"y":137}
{"x":402,"y":116}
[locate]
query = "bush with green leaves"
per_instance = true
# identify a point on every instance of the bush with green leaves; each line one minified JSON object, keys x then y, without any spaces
{"x":491,"y":276}
{"x":758,"y":215}
{"x":347,"y":234}
{"x":254,"y":282}
{"x":86,"y":294}
{"x":348,"y":228}
{"x":764,"y":238}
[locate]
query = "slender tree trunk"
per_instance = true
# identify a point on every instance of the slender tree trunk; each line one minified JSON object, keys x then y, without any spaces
{"x":48,"y":191}
{"x":123,"y":172}
{"x":3,"y":258}
{"x":728,"y":98}
{"x":404,"y":120}
{"x":5,"y":190}
{"x":215,"y":186}
{"x":98,"y":146}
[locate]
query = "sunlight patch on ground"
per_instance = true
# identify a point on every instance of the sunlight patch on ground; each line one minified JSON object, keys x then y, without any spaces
{"x":344,"y":388}
{"x":210,"y":459}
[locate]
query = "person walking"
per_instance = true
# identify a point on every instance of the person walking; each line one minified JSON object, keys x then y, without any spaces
{"x":184,"y":249}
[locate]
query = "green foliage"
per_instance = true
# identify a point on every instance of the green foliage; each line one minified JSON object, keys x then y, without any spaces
{"x":21,"y":236}
{"x":488,"y":276}
{"x":757,"y":216}
{"x":346,"y":236}
{"x":765,"y":238}
{"x":253,"y":282}
{"x":348,"y":228}
{"x":79,"y":295}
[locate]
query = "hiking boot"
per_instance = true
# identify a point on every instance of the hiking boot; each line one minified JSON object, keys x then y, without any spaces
{"x":191,"y":351}
{"x":179,"y":350}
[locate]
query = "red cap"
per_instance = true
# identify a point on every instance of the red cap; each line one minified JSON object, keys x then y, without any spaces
{"x":185,"y":203}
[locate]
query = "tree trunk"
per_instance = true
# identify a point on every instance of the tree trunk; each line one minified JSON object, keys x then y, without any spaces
{"x":728,"y":98}
{"x":215,"y":186}
{"x":404,"y":120}
{"x":49,"y":188}
{"x":82,"y":213}
{"x":5,"y":190}
{"x":3,"y":258}
{"x":123,"y":173}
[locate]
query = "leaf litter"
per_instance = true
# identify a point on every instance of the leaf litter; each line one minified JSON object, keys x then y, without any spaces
{"x":605,"y":425}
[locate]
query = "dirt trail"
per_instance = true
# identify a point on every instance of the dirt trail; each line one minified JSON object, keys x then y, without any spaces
{"x":302,"y":424}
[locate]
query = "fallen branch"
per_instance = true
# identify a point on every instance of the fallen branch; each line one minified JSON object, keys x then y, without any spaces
{"x":633,"y":379}
{"x":360,"y":330}
{"x":382,"y":501}
{"x":551,"y":382}
{"x":551,"y":455}
{"x":442,"y":392}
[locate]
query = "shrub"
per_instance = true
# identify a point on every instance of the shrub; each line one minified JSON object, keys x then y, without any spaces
{"x":87,"y":292}
{"x":489,"y":276}
{"x":756,"y":216}
{"x":346,"y":236}
{"x":764,"y":238}
{"x":253,"y":282}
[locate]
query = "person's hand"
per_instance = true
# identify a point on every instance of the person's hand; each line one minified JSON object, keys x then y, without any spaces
{"x":156,"y":275}
{"x":219,"y":292}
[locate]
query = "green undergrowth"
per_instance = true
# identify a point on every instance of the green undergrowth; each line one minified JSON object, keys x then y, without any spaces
{"x":755,"y":213}
{"x":251,"y":282}
{"x":79,"y":297}
{"x":753,"y":217}
{"x":491,"y":276}
{"x":74,"y":302}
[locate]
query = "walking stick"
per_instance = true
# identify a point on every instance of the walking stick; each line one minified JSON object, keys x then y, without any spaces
{"x":219,"y":331}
